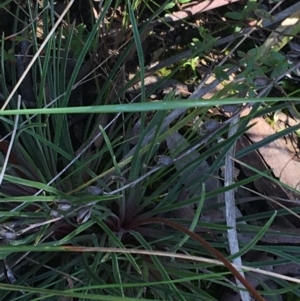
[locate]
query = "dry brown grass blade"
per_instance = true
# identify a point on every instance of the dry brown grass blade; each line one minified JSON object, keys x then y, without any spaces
{"x":207,"y":246}
{"x":279,"y":271}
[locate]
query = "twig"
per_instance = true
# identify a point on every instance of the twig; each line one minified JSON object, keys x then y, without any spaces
{"x":230,"y":207}
{"x":10,"y":143}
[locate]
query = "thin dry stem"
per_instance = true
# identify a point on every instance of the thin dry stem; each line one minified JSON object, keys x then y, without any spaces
{"x":10,"y":143}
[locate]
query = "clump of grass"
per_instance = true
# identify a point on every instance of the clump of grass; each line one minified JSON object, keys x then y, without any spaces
{"x":96,"y":196}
